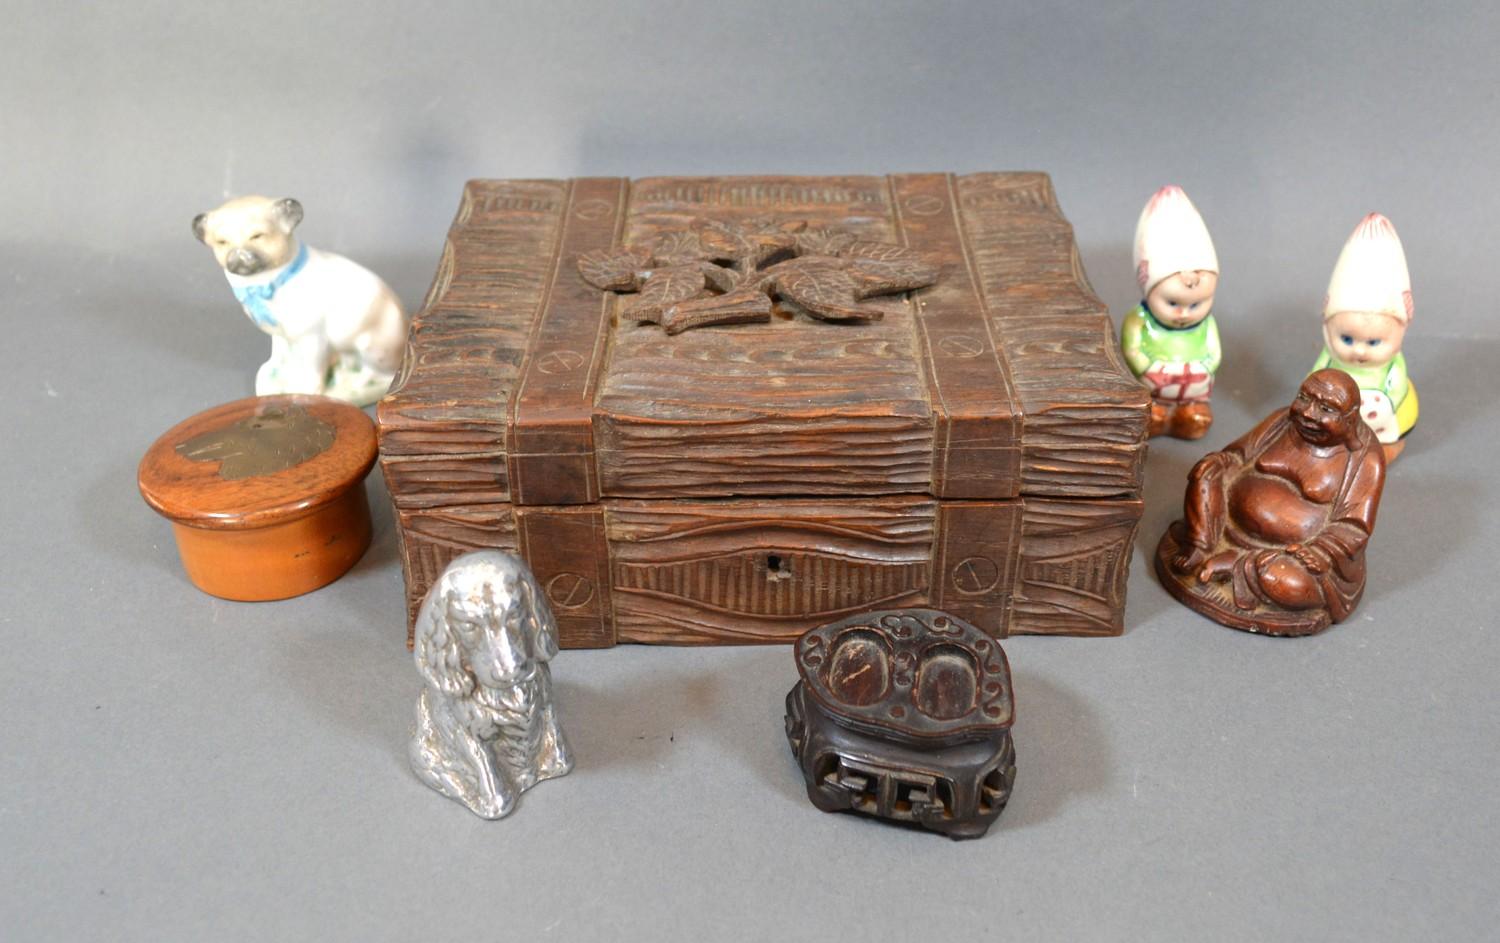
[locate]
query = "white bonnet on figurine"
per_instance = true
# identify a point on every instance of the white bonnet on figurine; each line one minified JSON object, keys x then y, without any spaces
{"x":1371,"y":273}
{"x":1170,"y":238}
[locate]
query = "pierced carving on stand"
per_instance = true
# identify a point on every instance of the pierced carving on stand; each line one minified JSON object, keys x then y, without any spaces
{"x":905,"y":715}
{"x":721,"y":273}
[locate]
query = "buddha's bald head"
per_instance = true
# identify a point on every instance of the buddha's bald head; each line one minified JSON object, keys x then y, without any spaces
{"x":1326,"y":409}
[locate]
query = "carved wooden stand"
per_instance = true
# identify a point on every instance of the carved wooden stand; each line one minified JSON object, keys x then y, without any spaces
{"x":905,"y":715}
{"x":975,"y":445}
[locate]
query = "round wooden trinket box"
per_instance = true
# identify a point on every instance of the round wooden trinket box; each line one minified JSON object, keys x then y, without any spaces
{"x":266,"y":495}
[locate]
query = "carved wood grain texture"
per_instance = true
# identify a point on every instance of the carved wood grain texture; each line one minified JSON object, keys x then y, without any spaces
{"x":1085,"y":415}
{"x":729,"y":572}
{"x":789,"y":407}
{"x":424,"y":481}
{"x":1075,"y":557}
{"x":1084,"y":433}
{"x":466,"y":345}
{"x":432,"y":537}
{"x":762,"y":571}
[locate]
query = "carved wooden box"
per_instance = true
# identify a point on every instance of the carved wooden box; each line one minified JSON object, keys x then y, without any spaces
{"x":978,"y":448}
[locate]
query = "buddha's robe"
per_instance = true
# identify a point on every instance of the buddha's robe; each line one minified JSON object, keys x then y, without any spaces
{"x":1270,"y":494}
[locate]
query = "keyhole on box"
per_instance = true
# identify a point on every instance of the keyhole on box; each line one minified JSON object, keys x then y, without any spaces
{"x":775,"y":570}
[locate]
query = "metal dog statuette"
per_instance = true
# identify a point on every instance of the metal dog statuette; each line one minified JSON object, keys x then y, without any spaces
{"x":486,"y":728}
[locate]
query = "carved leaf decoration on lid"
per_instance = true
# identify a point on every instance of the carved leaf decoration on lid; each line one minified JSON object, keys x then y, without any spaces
{"x":616,"y":269}
{"x":766,"y":249}
{"x":676,"y":247}
{"x":908,"y":267}
{"x":773,"y":224}
{"x":746,"y":306}
{"x":884,"y":278}
{"x":824,"y":241}
{"x":825,"y":291}
{"x":664,"y":288}
{"x":748,"y":246}
{"x":722,"y":241}
{"x":719,"y":278}
{"x":772,"y":237}
{"x":716,"y":272}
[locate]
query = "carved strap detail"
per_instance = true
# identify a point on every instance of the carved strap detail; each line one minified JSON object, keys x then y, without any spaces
{"x":976,"y":451}
{"x":567,"y":550}
{"x":975,"y":560}
{"x":550,"y":448}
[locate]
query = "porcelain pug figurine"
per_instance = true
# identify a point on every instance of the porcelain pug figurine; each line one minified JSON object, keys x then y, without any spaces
{"x":486,"y":729}
{"x":1365,"y":315}
{"x":1170,"y":339}
{"x":1275,"y":527}
{"x":336,"y":328}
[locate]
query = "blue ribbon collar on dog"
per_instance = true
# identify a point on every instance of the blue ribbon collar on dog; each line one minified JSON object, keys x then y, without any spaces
{"x":254,"y":297}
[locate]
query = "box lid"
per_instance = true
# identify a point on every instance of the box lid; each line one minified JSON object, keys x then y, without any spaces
{"x":525,"y":382}
{"x":257,"y":462}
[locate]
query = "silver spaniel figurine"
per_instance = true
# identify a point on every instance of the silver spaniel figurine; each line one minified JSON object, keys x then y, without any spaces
{"x":486,"y":728}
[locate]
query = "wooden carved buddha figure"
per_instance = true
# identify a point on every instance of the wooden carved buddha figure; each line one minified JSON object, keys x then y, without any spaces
{"x":1275,"y":525}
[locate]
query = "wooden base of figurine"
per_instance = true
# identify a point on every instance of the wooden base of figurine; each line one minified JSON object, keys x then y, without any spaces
{"x":1393,"y":449}
{"x":1180,"y":420}
{"x":1216,"y":599}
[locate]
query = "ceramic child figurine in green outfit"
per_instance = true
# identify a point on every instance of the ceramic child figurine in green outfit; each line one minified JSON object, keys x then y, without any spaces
{"x":1170,"y":340}
{"x":1365,"y":315}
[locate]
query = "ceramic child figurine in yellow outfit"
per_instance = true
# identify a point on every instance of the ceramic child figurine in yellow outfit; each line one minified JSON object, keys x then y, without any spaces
{"x":1365,"y":316}
{"x":1170,"y":340}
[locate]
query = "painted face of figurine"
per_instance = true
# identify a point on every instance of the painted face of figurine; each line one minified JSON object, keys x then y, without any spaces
{"x":1183,"y":299}
{"x":1326,"y":407}
{"x":250,"y":234}
{"x":1364,"y":337}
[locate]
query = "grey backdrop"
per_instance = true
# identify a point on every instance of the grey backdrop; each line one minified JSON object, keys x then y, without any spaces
{"x":178,"y":767}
